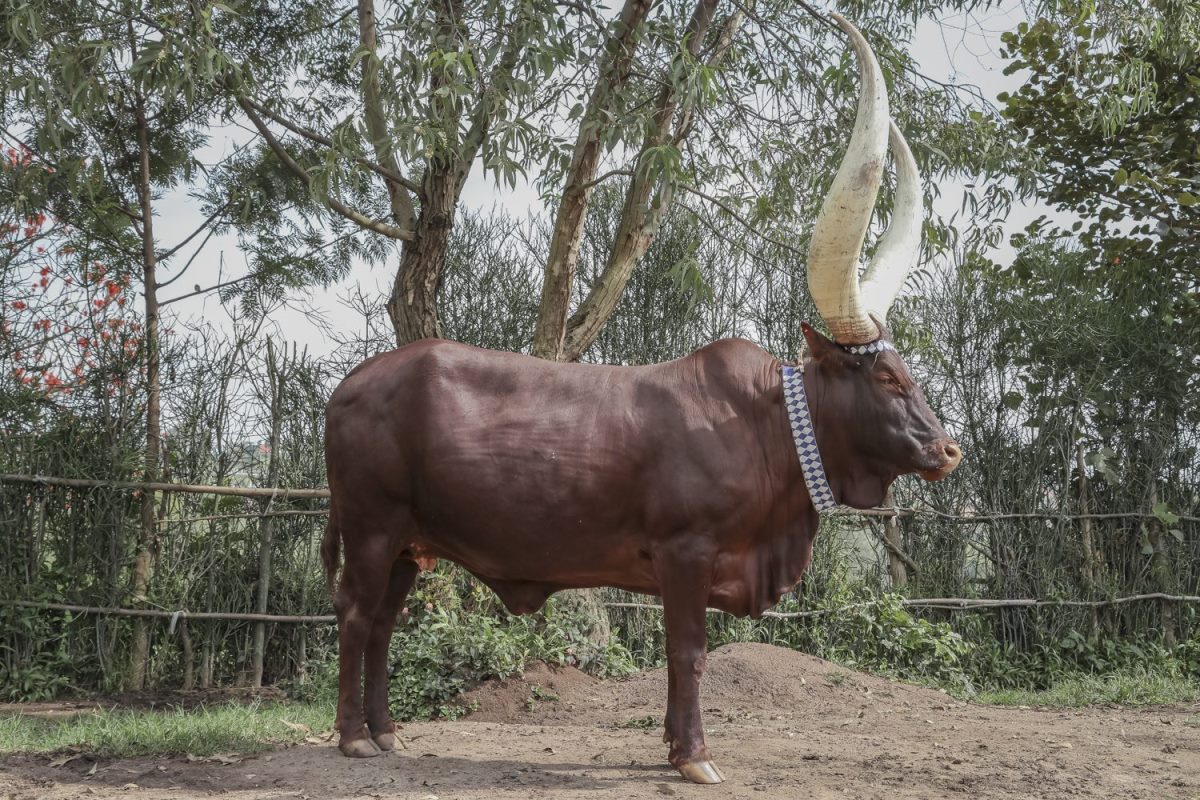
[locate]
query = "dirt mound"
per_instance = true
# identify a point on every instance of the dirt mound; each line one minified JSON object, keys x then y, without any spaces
{"x":543,"y":692}
{"x":741,"y":679}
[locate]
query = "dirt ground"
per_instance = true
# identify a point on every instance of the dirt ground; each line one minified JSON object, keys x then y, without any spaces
{"x":781,"y":724}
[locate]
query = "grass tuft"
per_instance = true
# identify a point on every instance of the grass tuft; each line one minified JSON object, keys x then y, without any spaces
{"x":205,"y":731}
{"x":1119,"y":688}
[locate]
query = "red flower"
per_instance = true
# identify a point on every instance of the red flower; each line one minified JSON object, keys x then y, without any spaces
{"x":19,"y":305}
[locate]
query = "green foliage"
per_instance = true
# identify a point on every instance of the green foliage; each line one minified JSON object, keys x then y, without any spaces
{"x":646,"y":723}
{"x":35,"y":663}
{"x":886,"y":637}
{"x":1053,"y":661}
{"x":1105,"y":115}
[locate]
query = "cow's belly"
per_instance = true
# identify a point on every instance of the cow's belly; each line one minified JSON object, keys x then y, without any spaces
{"x":550,"y":517}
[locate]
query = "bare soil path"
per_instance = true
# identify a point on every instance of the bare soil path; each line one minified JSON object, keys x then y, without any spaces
{"x":781,"y":725}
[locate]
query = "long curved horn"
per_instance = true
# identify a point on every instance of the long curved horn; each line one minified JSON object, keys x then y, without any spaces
{"x":837,"y":237}
{"x":897,"y":251}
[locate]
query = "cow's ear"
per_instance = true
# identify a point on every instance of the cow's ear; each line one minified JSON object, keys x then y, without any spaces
{"x":820,"y":347}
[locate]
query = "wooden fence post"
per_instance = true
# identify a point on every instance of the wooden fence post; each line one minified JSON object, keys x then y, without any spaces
{"x":894,"y":544}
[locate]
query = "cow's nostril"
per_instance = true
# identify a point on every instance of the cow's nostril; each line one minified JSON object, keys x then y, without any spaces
{"x":952,"y":451}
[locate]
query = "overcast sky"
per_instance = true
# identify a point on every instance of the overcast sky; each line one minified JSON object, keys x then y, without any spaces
{"x":964,"y":48}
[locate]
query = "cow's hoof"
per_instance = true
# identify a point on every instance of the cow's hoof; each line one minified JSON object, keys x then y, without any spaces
{"x":701,"y":772}
{"x":359,"y":748}
{"x":386,"y":741}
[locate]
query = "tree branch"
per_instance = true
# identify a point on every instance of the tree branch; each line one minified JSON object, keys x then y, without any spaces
{"x":402,"y":206}
{"x":641,"y":216}
{"x":164,"y":256}
{"x":551,"y":327}
{"x":321,"y":139}
{"x":391,"y":231}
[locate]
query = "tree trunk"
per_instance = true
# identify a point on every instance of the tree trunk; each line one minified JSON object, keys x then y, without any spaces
{"x":188,"y":656}
{"x":206,"y":659}
{"x":302,"y":656}
{"x":143,"y":567}
{"x":1160,"y":572}
{"x":413,"y":302}
{"x":649,"y":196}
{"x":559,"y":276}
{"x":1087,"y":541}
{"x":276,"y":375}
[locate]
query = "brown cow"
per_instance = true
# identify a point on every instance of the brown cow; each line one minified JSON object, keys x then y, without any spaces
{"x":679,"y":479}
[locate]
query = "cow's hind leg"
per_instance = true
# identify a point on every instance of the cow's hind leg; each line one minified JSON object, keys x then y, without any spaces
{"x":379,"y":720}
{"x":363,"y":587}
{"x":684,"y":583}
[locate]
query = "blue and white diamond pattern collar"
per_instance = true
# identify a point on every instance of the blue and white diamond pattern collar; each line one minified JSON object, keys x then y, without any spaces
{"x":877,"y":346}
{"x":796,"y":402}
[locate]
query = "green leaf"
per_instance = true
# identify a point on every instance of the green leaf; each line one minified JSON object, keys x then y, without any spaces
{"x":1165,"y":516}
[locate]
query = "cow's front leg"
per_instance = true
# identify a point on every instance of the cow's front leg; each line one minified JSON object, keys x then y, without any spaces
{"x":684,"y":582}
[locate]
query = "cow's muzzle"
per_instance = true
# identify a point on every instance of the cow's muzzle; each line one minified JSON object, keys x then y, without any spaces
{"x":942,"y":457}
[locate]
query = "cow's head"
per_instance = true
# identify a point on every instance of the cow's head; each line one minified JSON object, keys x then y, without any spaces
{"x":872,"y":420}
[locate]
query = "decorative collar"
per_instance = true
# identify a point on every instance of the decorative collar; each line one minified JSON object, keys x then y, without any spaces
{"x":877,"y":346}
{"x":796,"y":401}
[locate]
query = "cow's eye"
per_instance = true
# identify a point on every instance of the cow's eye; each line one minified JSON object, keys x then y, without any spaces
{"x":890,"y":381}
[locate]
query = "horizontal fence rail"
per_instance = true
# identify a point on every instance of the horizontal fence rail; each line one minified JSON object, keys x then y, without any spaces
{"x":276,"y":493}
{"x":943,"y":603}
{"x":286,"y":493}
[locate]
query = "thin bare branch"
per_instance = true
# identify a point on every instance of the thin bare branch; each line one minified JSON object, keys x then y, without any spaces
{"x":391,"y":231}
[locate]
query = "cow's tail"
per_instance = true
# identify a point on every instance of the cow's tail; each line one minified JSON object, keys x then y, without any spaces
{"x":331,"y":551}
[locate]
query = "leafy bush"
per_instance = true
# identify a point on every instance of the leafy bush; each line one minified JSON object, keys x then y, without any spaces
{"x":34,"y":663}
{"x":883,"y":636}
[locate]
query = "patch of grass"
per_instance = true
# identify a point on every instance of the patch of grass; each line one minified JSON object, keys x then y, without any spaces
{"x":646,"y":723}
{"x":839,"y":678}
{"x":1119,"y":688}
{"x":538,"y":693}
{"x":205,"y":731}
